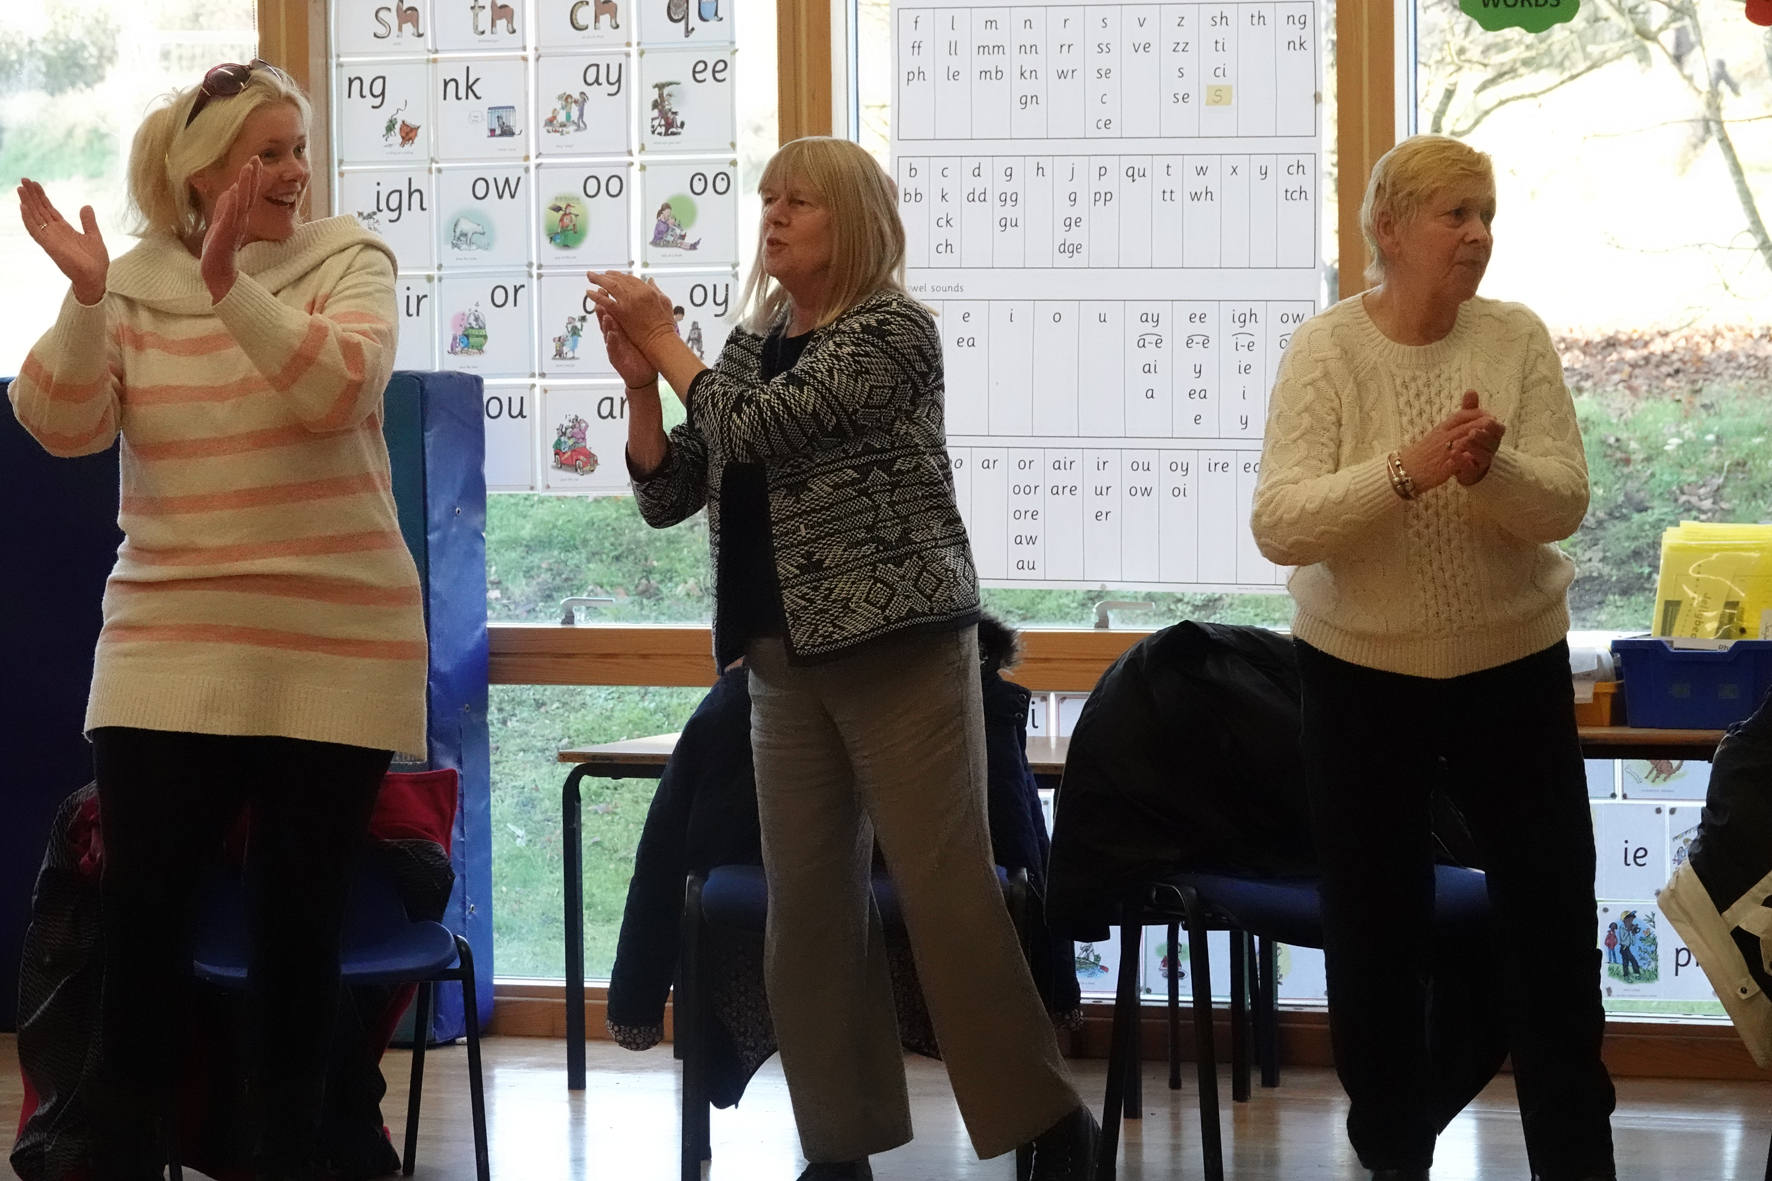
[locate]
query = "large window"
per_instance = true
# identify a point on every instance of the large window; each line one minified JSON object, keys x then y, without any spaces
{"x":1631,"y":148}
{"x":548,"y":545}
{"x":75,"y":80}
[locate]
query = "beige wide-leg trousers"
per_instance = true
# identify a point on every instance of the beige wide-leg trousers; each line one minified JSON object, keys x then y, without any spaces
{"x":889,"y":743}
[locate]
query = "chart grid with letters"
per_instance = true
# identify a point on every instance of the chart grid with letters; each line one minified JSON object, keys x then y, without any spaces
{"x":1114,"y":212}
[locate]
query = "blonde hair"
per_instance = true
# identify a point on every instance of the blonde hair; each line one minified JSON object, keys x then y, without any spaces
{"x":867,"y":253}
{"x":1407,"y":175}
{"x":166,"y":153}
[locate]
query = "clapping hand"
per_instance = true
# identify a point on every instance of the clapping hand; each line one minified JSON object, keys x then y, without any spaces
{"x":81,"y":256}
{"x":637,"y":305}
{"x":1461,"y":447}
{"x":227,"y":230}
{"x":627,"y":360}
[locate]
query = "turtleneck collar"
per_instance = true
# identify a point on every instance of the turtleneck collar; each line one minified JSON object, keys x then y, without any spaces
{"x":162,"y":273}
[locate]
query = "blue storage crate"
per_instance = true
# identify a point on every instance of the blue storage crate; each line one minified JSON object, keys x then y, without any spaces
{"x":1691,"y":688}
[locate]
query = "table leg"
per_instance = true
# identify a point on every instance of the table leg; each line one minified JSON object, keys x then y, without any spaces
{"x":572,"y":838}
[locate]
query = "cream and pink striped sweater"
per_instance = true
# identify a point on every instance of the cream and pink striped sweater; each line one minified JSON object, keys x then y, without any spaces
{"x":262,"y":586}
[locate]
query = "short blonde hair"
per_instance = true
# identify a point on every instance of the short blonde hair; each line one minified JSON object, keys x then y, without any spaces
{"x":166,"y":153}
{"x":1410,"y":173}
{"x":867,"y":254}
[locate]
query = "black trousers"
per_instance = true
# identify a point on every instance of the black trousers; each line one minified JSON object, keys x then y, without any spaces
{"x":1374,"y":744}
{"x":167,"y":801}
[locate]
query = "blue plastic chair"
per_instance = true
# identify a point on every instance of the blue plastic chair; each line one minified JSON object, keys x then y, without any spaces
{"x":1275,"y":911}
{"x":380,"y":945}
{"x":736,"y":898}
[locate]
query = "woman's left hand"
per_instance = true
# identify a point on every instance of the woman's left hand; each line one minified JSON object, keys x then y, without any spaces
{"x":1475,"y":450}
{"x":227,"y":230}
{"x":637,"y":305}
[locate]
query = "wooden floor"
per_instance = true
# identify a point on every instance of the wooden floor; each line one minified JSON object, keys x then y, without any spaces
{"x":625,"y":1126}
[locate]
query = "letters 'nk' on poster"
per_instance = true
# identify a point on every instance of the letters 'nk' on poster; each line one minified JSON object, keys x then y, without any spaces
{"x":1114,"y":211}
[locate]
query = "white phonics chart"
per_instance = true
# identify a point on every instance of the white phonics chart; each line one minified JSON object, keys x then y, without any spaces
{"x":1113,"y":210}
{"x":503,"y":149}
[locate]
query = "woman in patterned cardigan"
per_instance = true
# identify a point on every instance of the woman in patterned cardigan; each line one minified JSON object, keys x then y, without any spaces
{"x":845,"y":583}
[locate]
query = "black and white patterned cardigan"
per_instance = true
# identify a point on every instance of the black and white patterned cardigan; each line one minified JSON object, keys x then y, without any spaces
{"x":868,"y":542}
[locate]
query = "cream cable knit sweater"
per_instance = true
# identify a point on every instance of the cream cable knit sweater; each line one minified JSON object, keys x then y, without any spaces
{"x":263,"y":586}
{"x":1460,"y":579}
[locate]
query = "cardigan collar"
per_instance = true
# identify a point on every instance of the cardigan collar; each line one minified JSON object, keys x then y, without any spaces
{"x":161,"y":273}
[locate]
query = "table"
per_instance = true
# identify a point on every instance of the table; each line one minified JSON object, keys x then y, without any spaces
{"x":645,"y":758}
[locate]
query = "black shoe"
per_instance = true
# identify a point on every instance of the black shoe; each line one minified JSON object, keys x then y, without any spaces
{"x":1066,"y":1150}
{"x":1399,"y":1175}
{"x":849,"y":1170}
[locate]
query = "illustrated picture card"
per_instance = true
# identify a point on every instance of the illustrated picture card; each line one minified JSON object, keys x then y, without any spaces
{"x":1157,"y":955}
{"x":1682,"y":830}
{"x":510,"y":413}
{"x":1630,"y":942}
{"x":584,"y":24}
{"x":584,"y":104}
{"x":689,"y":215}
{"x":582,"y":216}
{"x":1630,"y":841}
{"x":676,"y":22}
{"x":686,"y":98}
{"x":396,"y":205}
{"x":415,"y":297}
{"x":702,"y":305}
{"x":1664,"y":779}
{"x":479,"y":24}
{"x":1682,"y":977}
{"x":384,"y":113}
{"x":483,"y":217}
{"x":571,"y":344}
{"x":1098,"y":964}
{"x":585,"y":429}
{"x":382,"y":27}
{"x":483,"y":323}
{"x":1303,"y":975}
{"x":1602,"y":778}
{"x":483,"y":110}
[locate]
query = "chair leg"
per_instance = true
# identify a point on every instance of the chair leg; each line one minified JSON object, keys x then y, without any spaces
{"x":686,"y":1011}
{"x":1206,"y":1057}
{"x":572,"y":856}
{"x":1132,"y":936}
{"x":422,"y":1016}
{"x":1267,"y":1013}
{"x":476,"y":1081}
{"x":1126,"y":1017}
{"x":1239,"y":1016}
{"x":1174,"y":974}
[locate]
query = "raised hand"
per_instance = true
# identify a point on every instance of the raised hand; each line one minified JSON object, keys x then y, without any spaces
{"x":627,"y":360}
{"x":227,"y":230}
{"x":642,"y":310}
{"x":81,"y":256}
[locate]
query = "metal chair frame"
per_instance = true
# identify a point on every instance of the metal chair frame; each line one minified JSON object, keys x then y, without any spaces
{"x":1254,"y":1021}
{"x":424,"y":1013}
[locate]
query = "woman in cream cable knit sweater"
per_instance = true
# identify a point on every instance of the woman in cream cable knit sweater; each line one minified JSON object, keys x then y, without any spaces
{"x":263,"y":640}
{"x":1422,"y":459}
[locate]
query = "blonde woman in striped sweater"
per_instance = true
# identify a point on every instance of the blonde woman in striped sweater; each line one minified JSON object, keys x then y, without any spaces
{"x":263,"y":641}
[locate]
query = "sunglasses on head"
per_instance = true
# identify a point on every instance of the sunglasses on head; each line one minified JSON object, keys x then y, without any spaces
{"x":227,"y":80}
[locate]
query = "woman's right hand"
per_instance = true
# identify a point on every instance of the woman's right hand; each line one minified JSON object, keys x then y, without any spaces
{"x":627,"y":360}
{"x":82,"y":257}
{"x":1451,"y":449}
